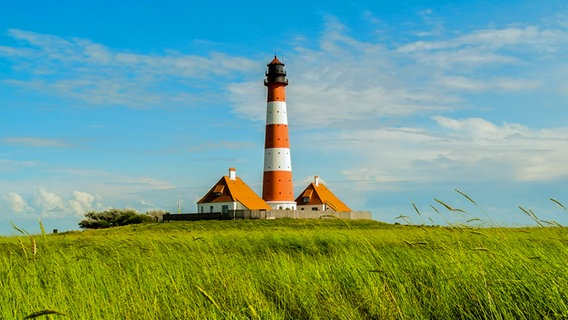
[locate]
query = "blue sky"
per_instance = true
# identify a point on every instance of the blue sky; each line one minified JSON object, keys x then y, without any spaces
{"x":129,"y":104}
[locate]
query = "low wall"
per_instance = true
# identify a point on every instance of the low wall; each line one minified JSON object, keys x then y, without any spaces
{"x":270,"y":214}
{"x":304,"y":214}
{"x":195,"y":216}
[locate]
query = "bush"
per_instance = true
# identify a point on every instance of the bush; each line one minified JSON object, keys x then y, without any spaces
{"x":112,"y":218}
{"x":156,"y":215}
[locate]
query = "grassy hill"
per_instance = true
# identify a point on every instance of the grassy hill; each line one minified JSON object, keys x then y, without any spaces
{"x":286,"y":269}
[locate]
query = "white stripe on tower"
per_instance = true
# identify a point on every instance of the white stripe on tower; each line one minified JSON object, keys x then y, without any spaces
{"x":277,"y":186}
{"x":276,"y":112}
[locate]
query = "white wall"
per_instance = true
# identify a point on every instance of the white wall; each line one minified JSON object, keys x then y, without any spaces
{"x":318,"y":207}
{"x":218,"y":206}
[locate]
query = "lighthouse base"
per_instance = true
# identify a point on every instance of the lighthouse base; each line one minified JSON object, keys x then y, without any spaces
{"x":282,"y":205}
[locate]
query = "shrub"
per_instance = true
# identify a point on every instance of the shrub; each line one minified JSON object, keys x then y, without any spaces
{"x":156,"y":215}
{"x":112,"y":218}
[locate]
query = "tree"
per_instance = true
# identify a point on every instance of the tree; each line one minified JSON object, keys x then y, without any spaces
{"x":112,"y":218}
{"x":156,"y":215}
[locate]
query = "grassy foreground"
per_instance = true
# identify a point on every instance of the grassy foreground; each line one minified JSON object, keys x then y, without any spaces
{"x":286,"y":269}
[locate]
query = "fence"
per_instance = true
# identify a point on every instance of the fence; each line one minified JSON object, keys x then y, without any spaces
{"x":270,"y":214}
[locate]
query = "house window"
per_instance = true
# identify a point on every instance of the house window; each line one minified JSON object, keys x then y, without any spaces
{"x":225,"y":208}
{"x":201,"y":209}
{"x":314,"y":208}
{"x":306,"y":199}
{"x":211,"y":209}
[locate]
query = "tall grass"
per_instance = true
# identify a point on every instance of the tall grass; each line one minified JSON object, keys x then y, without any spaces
{"x":288,"y":269}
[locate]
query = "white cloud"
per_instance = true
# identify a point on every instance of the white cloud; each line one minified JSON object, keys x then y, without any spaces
{"x":531,"y":38}
{"x":346,"y":80}
{"x":8,"y":165}
{"x":146,"y":203}
{"x":496,"y":84}
{"x":138,"y":184}
{"x":109,"y":185}
{"x":14,"y":52}
{"x":97,"y":75}
{"x":49,"y":204}
{"x":471,"y":149}
{"x":36,"y":142}
{"x":17,"y":204}
{"x":307,"y":180}
{"x":81,"y":202}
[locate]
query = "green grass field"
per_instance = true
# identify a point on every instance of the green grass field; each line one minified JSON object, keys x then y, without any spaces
{"x":287,"y":269}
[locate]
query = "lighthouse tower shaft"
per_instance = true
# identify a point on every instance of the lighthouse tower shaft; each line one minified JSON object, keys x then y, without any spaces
{"x":277,"y":186}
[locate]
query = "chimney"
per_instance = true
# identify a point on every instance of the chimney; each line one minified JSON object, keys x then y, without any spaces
{"x":316,"y":180}
{"x":232,"y":174}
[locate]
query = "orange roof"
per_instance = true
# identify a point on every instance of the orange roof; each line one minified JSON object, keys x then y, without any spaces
{"x":227,"y":190}
{"x":275,"y":61}
{"x":320,"y":194}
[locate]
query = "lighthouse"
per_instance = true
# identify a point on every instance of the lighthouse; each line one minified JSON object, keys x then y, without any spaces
{"x":277,"y":186}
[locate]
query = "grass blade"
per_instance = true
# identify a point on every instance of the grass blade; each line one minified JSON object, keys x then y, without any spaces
{"x":22,"y":231}
{"x":531,"y":214}
{"x":450,"y":208}
{"x":435,"y":209}
{"x":405,"y":218}
{"x":558,"y":203}
{"x":467,"y":197}
{"x":43,"y":313}
{"x":415,"y":208}
{"x":210,"y":298}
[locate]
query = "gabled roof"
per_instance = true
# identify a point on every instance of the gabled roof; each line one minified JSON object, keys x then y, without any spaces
{"x":317,"y":193}
{"x":228,"y":190}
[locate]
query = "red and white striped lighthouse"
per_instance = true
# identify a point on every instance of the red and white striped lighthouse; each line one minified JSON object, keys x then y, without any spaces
{"x":277,"y":186}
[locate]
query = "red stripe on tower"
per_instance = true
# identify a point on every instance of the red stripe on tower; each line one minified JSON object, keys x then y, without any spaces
{"x":277,"y":186}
